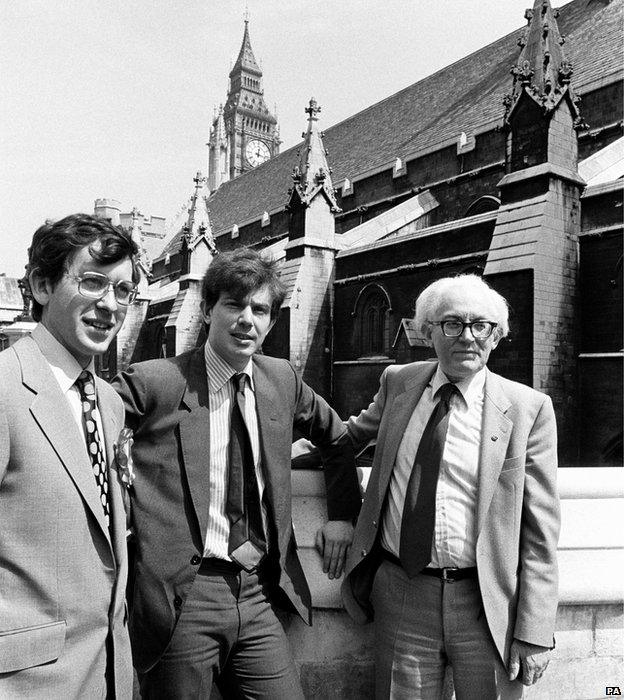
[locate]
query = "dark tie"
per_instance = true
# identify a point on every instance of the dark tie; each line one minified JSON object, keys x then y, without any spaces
{"x":419,"y":511}
{"x":247,"y":544}
{"x":86,"y":387}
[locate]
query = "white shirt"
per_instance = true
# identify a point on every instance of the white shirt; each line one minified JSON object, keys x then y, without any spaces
{"x":66,"y":370}
{"x":454,"y":536}
{"x":220,"y":397}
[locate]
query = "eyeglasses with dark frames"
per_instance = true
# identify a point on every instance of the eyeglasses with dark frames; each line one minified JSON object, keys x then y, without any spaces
{"x":94,"y":285}
{"x":479,"y":329}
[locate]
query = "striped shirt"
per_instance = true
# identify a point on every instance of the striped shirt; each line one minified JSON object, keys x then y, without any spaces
{"x":220,"y":396}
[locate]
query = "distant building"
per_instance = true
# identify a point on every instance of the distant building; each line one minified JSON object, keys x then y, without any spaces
{"x":15,"y":320}
{"x":244,"y":133}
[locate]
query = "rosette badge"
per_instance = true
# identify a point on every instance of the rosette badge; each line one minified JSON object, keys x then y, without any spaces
{"x":123,"y":457}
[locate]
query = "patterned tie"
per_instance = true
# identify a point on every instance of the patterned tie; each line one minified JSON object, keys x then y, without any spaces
{"x":86,"y":387}
{"x":419,"y":511}
{"x":247,"y":543}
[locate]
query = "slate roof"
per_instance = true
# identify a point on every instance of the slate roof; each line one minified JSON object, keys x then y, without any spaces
{"x":465,"y":96}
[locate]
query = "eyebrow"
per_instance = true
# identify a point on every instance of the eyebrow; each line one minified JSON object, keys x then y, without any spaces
{"x":260,"y":305}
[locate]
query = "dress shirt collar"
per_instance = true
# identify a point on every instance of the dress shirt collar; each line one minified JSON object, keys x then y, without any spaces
{"x":470,"y":388}
{"x":220,"y":372}
{"x":64,"y":365}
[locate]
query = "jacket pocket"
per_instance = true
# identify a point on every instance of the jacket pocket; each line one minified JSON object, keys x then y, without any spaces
{"x":514,"y":462}
{"x":31,"y":646}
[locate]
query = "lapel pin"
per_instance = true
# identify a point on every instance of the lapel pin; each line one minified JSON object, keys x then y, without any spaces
{"x":494,"y":438}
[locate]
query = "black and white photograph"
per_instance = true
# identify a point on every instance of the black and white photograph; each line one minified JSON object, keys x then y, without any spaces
{"x":311,"y":350}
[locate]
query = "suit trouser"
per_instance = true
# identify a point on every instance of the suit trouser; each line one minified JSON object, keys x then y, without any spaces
{"x":422,"y":625}
{"x":227,"y":633}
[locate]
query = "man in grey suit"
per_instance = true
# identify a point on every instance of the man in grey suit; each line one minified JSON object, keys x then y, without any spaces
{"x":454,"y":553}
{"x":63,"y":562}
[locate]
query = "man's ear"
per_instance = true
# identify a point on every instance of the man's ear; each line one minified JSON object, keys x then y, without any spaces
{"x":425,"y":333}
{"x":497,"y":336}
{"x":206,"y":312}
{"x":40,"y":287}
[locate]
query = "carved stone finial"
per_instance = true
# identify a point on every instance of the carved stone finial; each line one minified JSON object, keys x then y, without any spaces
{"x":565,"y":72}
{"x":313,"y":109}
{"x":523,"y":72}
{"x":541,"y":71}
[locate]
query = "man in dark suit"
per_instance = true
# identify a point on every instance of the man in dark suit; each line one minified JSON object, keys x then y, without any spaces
{"x":215,"y":549}
{"x":454,"y":553}
{"x":63,"y":561}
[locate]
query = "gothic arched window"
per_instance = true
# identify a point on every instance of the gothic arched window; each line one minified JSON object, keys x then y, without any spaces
{"x":482,"y":205}
{"x":371,"y":317}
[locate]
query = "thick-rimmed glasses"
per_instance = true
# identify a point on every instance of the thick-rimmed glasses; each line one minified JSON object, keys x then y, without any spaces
{"x":479,"y":329}
{"x":95,"y":285}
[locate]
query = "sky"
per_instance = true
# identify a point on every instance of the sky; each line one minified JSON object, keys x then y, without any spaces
{"x":109,"y":98}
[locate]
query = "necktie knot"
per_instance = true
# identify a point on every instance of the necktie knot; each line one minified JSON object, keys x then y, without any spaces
{"x":85,"y":383}
{"x":446,"y":392}
{"x":239,"y":381}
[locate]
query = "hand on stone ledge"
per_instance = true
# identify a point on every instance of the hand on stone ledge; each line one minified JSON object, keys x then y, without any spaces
{"x":332,"y":543}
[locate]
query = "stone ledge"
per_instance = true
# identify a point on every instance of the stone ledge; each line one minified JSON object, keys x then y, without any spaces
{"x":591,"y":567}
{"x":590,"y":482}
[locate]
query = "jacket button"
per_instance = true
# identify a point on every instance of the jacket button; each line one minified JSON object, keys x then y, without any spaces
{"x":374,"y":523}
{"x":364,"y":553}
{"x":195,"y":560}
{"x":177,"y":602}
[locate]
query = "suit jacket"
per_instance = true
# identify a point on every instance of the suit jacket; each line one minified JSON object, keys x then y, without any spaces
{"x":517,"y":502}
{"x":167,"y":407}
{"x":62,"y":577}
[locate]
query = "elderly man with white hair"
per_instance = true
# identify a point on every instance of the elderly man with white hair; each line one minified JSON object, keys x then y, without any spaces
{"x":454,"y":554}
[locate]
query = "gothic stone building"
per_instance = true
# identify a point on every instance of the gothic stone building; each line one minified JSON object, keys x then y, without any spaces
{"x":474,"y":168}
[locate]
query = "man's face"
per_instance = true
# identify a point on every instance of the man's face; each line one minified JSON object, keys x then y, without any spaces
{"x":465,"y":355}
{"x":238,"y":327}
{"x":85,"y":327}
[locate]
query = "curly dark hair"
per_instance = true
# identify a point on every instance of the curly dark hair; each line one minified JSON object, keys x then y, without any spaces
{"x":55,"y":243}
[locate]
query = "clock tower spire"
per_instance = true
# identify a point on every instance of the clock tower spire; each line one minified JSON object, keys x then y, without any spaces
{"x":251,"y":131}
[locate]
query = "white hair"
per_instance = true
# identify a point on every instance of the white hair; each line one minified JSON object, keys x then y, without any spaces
{"x":431,"y":297}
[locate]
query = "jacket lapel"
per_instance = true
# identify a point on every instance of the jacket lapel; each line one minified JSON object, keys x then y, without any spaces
{"x":195,"y":436}
{"x":273,"y":433}
{"x":495,"y":436}
{"x":53,"y":415}
{"x":400,"y":413}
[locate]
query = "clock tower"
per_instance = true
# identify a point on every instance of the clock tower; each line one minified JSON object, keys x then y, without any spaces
{"x":244,"y":133}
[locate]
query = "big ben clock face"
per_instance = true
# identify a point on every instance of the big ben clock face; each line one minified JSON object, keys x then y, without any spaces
{"x":256,"y":152}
